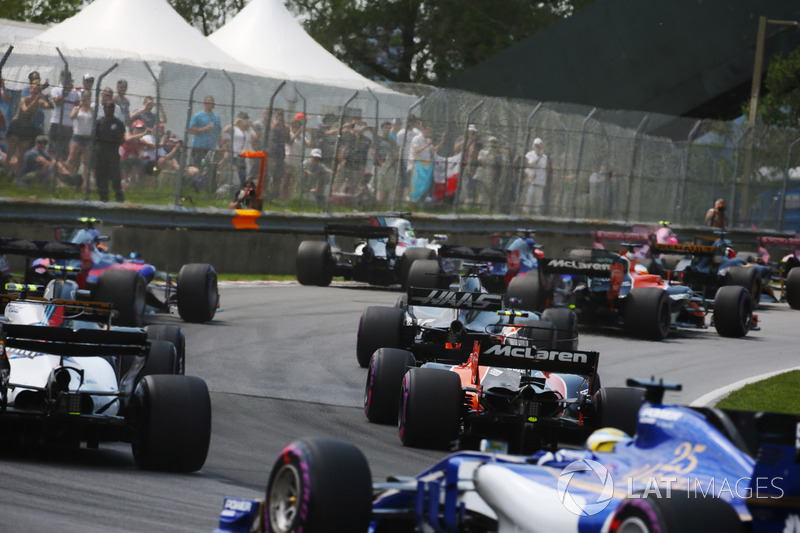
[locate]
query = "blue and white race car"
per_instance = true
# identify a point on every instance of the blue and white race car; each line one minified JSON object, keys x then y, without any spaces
{"x":684,"y":471}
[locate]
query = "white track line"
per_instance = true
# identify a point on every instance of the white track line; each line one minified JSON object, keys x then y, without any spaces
{"x":711,"y":398}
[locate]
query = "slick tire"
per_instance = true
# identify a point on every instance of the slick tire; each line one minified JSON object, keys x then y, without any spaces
{"x":424,"y":274}
{"x":565,"y":322}
{"x":314,"y":263}
{"x":793,"y":288}
{"x":430,"y":408}
{"x":172,"y":419}
{"x":197,"y":293}
{"x":682,"y":511}
{"x":384,"y":380}
{"x":618,"y":407}
{"x":319,"y":485}
{"x":748,"y":278}
{"x":733,"y":311}
{"x":126,"y":291}
{"x":378,"y":327}
{"x":524,"y":292}
{"x":647,"y":313}
{"x":173,"y":334}
{"x":407,"y":260}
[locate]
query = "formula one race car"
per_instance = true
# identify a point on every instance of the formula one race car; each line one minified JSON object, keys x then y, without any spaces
{"x":130,"y":284}
{"x":383,"y":253}
{"x":67,"y":377}
{"x":685,"y":470}
{"x":614,"y":288}
{"x":784,"y":277}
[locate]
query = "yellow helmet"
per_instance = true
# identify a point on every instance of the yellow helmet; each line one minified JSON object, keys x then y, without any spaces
{"x":604,"y":439}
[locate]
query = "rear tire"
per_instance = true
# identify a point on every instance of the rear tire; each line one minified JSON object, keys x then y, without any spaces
{"x":378,"y":327}
{"x":793,"y":288}
{"x":733,"y":311}
{"x":524,"y":292}
{"x":126,"y":290}
{"x":407,"y":260}
{"x":748,"y":278}
{"x":197,"y":292}
{"x":566,"y":323}
{"x":424,"y":274}
{"x":319,"y":485}
{"x":173,"y":418}
{"x":384,"y":380}
{"x":430,"y":408}
{"x":618,"y":407}
{"x":647,"y":313}
{"x":314,"y":263}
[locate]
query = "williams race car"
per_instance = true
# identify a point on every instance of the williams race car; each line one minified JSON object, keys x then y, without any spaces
{"x":67,"y":377}
{"x":685,"y":470}
{"x":383,"y":253}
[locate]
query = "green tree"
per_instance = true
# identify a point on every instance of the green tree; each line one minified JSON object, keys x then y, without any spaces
{"x":207,"y":15}
{"x":424,"y":42}
{"x":39,"y":11}
{"x":780,"y":105}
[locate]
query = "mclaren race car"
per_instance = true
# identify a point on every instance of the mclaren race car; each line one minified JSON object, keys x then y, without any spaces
{"x":67,"y":377}
{"x":684,"y":470}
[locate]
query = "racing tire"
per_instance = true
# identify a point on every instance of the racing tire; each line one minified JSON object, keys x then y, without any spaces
{"x":126,"y":291}
{"x":161,"y":359}
{"x":314,"y":263}
{"x":197,"y":293}
{"x":318,"y":485}
{"x":793,"y":288}
{"x":425,"y":274}
{"x":524,"y":292}
{"x":384,"y":379}
{"x":430,"y":408}
{"x":565,"y":322}
{"x":378,"y":327}
{"x":173,"y":334}
{"x":542,"y":334}
{"x":407,"y":260}
{"x":173,"y":423}
{"x":748,"y":278}
{"x":733,"y":311}
{"x":682,"y":511}
{"x":618,"y":407}
{"x":647,"y":313}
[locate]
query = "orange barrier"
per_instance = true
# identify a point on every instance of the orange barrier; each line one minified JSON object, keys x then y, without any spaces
{"x":246,"y":218}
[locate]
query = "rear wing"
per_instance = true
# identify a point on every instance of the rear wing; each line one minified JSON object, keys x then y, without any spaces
{"x":785,"y":242}
{"x":474,"y":254}
{"x":364,"y":231}
{"x":102,"y":312}
{"x":530,"y":358}
{"x":693,"y":249}
{"x":477,"y":301}
{"x":57,"y":250}
{"x":599,"y":237}
{"x":73,"y":343}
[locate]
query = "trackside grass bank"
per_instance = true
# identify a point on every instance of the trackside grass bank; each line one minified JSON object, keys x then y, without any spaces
{"x":778,"y":394}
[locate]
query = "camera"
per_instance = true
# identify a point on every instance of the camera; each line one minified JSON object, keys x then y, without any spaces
{"x":251,"y":192}
{"x":721,"y":209}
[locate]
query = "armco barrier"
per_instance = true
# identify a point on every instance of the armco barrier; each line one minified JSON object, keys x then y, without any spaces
{"x":267,"y":242}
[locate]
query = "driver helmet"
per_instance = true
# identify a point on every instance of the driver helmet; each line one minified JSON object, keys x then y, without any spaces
{"x":404,"y":230}
{"x":61,"y":290}
{"x":86,"y":236}
{"x":604,"y":439}
{"x":640,"y":269}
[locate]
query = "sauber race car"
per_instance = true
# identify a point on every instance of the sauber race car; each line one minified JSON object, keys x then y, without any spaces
{"x":384,"y":251}
{"x":615,"y":288}
{"x":685,"y":470}
{"x":440,"y":313}
{"x":67,"y":377}
{"x":132,"y":285}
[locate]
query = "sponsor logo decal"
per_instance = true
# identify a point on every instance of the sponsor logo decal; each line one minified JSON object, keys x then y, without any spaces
{"x":580,"y":265}
{"x":445,"y":298}
{"x":539,"y":355}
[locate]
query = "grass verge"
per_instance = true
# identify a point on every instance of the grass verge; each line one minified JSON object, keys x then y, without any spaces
{"x":778,"y":394}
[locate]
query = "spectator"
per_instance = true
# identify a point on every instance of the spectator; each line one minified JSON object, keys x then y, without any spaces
{"x":106,"y":96}
{"x":5,"y":111}
{"x":405,"y":136}
{"x":344,"y":178}
{"x":488,"y":179}
{"x":87,"y":84}
{"x":326,"y":138}
{"x":38,"y":164}
{"x":148,"y":116}
{"x":169,"y":156}
{"x":122,"y":102}
{"x":25,"y":126}
{"x":276,"y":150}
{"x":205,"y":126}
{"x":317,"y":176}
{"x":82,"y":117}
{"x":472,"y":147}
{"x":397,"y":125}
{"x":386,"y":161}
{"x":537,"y":172}
{"x":296,"y":149}
{"x":109,"y":135}
{"x":244,"y":138}
{"x":600,"y":182}
{"x":136,"y":144}
{"x":422,"y":172}
{"x":65,"y":97}
{"x":246,"y":197}
{"x":716,"y":217}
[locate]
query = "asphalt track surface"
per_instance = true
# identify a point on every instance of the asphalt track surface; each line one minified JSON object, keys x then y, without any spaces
{"x":280,"y":363}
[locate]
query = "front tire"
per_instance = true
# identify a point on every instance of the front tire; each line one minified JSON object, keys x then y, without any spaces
{"x":647,"y":313}
{"x":319,"y":485}
{"x":430,"y":408}
{"x":173,"y":423}
{"x":378,"y":327}
{"x":126,"y":290}
{"x":733,"y":311}
{"x":197,"y":293}
{"x":683,"y":511}
{"x":314,"y":263}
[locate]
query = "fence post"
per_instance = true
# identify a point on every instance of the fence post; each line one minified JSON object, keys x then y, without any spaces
{"x":732,"y":202}
{"x":634,"y":153}
{"x":681,"y":191}
{"x":402,"y":154}
{"x":265,"y":140}
{"x":233,"y":133}
{"x":460,"y":183}
{"x":578,"y":167}
{"x":179,"y":183}
{"x":94,"y":128}
{"x":782,"y":206}
{"x":336,"y":152}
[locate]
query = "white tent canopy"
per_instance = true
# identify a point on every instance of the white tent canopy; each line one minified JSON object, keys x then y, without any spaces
{"x":13,"y":31}
{"x":266,"y":36}
{"x":147,"y":29}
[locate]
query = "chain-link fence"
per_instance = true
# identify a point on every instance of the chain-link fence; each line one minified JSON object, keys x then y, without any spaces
{"x":335,"y":148}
